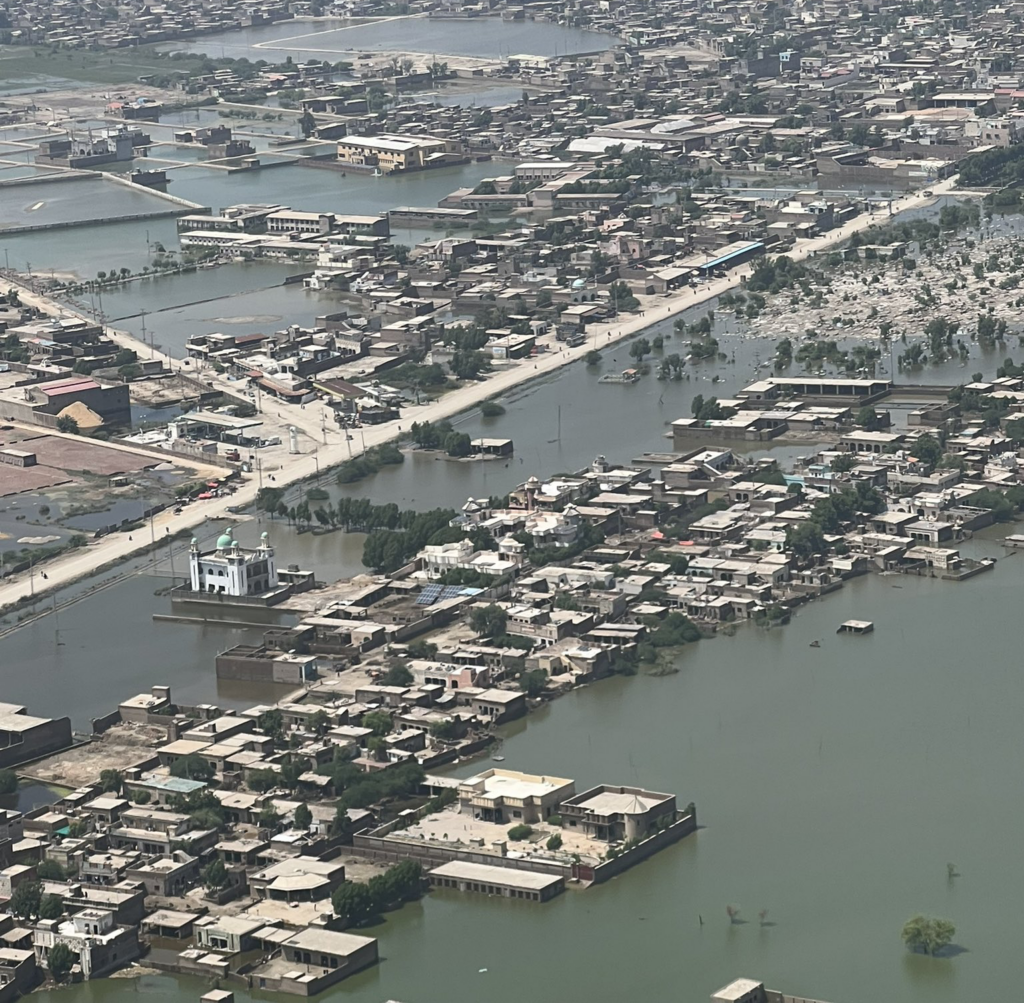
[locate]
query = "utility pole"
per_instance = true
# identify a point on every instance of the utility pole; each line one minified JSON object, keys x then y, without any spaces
{"x":170,"y":554}
{"x":58,"y":643}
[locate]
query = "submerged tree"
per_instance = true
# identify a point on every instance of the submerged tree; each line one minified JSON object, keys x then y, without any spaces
{"x":927,"y":935}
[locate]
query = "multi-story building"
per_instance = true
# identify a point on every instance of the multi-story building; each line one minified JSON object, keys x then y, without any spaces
{"x":616,"y":814}
{"x":231,"y":569}
{"x":508,"y":796}
{"x":99,"y":945}
{"x":389,"y":153}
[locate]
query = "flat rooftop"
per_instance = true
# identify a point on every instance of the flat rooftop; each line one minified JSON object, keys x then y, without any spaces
{"x":507,"y":877}
{"x":517,"y":786}
{"x":612,"y":803}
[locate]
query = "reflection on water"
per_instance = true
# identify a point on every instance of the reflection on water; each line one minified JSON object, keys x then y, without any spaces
{"x":28,"y":796}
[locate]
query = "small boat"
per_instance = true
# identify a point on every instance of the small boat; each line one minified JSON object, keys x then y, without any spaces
{"x":815,"y":644}
{"x":498,"y":759}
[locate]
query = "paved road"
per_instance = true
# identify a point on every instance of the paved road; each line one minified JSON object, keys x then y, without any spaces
{"x":295,"y":468}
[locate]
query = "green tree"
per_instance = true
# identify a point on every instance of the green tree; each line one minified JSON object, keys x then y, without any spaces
{"x":192,"y":767}
{"x":593,"y":357}
{"x":50,"y":870}
{"x":307,"y":123}
{"x":67,"y":424}
{"x":353,"y":903}
{"x":532,"y":683}
{"x":271,"y":722}
{"x":444,"y":730}
{"x":806,"y":540}
{"x":262,"y":781}
{"x":269,"y":817}
{"x":51,"y":907}
{"x":303,"y":817}
{"x":520,"y":832}
{"x":8,"y":781}
{"x":844,"y":462}
{"x":215,"y":874}
{"x":341,"y":827}
{"x":59,"y":960}
{"x":488,"y":621}
{"x":26,"y":899}
{"x":111,"y":780}
{"x":379,"y":722}
{"x":555,"y":842}
{"x":639,"y":349}
{"x":319,"y":723}
{"x":398,"y":675}
{"x":867,"y":418}
{"x":927,"y":450}
{"x":927,"y":935}
{"x":458,"y":444}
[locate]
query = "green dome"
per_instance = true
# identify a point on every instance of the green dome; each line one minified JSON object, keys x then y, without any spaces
{"x":224,"y":540}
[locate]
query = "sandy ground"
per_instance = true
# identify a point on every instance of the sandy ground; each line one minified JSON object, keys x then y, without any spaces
{"x":121,"y":746}
{"x":336,"y":450}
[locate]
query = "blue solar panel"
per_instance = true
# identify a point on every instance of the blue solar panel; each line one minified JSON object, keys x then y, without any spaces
{"x":429,"y":595}
{"x":451,"y":592}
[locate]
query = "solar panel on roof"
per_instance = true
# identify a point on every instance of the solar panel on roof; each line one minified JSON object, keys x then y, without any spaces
{"x":430,"y":594}
{"x":451,"y":591}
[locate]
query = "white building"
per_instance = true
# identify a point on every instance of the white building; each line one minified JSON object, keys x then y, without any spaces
{"x":98,"y":944}
{"x":232,"y":570}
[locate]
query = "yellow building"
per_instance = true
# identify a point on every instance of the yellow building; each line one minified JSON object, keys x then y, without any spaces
{"x":394,"y":153}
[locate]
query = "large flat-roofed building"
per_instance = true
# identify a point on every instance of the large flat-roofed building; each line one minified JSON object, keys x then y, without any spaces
{"x":391,"y":153}
{"x":42,"y":403}
{"x":511,"y":883}
{"x":314,"y":959}
{"x":507,"y":796}
{"x":616,"y":814}
{"x":234,"y":219}
{"x":741,"y":991}
{"x":293,"y":221}
{"x":24,"y":737}
{"x":776,"y":387}
{"x":752,"y":991}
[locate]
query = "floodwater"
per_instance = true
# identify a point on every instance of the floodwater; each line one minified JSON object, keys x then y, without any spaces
{"x":325,"y":189}
{"x":57,"y":201}
{"x":834,"y":784}
{"x":83,"y":660}
{"x":484,"y":37}
{"x":85,"y":250}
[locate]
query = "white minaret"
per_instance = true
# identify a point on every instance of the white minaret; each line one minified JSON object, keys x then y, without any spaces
{"x":193,"y":564}
{"x":267,"y":551}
